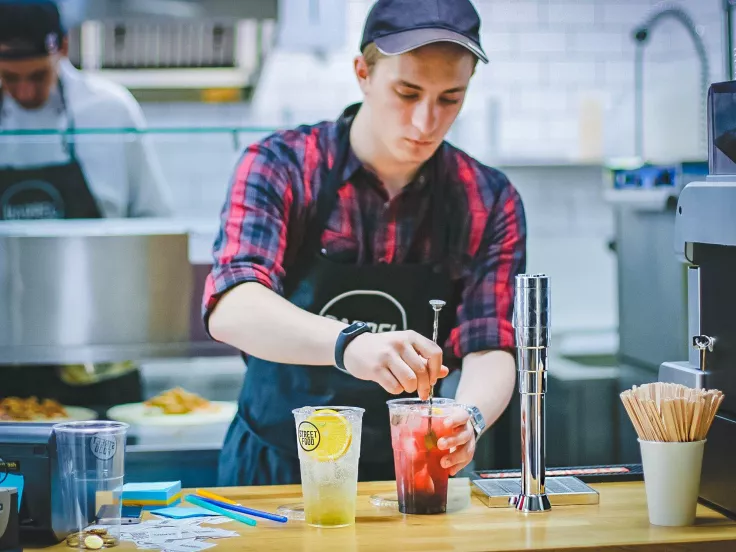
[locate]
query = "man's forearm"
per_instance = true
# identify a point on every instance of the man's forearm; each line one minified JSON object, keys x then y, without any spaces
{"x":261,"y":323}
{"x":487,"y":381}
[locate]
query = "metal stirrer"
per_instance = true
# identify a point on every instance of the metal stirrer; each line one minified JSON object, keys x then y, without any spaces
{"x":437,"y":305}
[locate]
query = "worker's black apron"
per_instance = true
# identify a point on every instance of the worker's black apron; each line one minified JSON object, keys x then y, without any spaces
{"x":58,"y":191}
{"x":260,"y":447}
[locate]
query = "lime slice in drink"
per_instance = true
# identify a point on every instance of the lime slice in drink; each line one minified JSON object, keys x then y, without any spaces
{"x":335,"y":435}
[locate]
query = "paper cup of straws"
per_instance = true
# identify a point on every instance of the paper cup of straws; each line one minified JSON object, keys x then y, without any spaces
{"x":672,"y":422}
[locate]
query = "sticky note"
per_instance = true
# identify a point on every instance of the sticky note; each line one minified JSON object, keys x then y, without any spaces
{"x":151,"y":487}
{"x":181,"y":513}
{"x":13,"y":480}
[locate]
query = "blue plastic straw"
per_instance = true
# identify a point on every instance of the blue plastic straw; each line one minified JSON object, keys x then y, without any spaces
{"x":244,"y":510}
{"x":222,"y":511}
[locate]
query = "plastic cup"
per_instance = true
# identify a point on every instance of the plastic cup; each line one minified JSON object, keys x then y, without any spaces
{"x":91,"y":458}
{"x":328,"y":440}
{"x":672,"y":480}
{"x":421,"y":481}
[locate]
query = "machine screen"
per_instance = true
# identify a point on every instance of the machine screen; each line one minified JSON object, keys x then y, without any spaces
{"x":722,"y":128}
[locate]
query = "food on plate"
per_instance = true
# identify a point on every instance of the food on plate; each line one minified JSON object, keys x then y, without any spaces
{"x":17,"y":409}
{"x":179,"y":401}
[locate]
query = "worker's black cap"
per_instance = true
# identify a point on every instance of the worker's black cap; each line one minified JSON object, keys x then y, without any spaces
{"x":399,"y":26}
{"x":29,"y":28}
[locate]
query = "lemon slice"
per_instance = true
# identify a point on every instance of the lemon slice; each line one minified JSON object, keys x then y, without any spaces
{"x":335,"y":435}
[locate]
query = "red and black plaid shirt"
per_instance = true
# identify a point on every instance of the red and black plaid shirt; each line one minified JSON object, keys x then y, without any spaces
{"x":273,"y":194}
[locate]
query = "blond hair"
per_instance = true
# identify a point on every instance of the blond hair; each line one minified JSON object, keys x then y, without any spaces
{"x":372,"y":55}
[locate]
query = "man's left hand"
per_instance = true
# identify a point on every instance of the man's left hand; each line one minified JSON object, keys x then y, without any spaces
{"x":461,"y":439}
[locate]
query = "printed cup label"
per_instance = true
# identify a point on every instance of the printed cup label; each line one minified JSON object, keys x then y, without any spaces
{"x":103,"y":446}
{"x":308,"y":436}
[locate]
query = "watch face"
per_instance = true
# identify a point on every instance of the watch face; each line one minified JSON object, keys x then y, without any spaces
{"x":477,"y":421}
{"x":355,"y":327}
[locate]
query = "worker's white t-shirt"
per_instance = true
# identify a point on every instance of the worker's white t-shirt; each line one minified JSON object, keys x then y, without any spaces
{"x":121,"y":170}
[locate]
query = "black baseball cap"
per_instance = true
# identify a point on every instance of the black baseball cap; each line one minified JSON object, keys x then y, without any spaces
{"x":29,"y":28}
{"x":399,"y":26}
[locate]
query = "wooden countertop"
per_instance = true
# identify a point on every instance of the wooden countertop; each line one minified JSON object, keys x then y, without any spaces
{"x":619,"y":522}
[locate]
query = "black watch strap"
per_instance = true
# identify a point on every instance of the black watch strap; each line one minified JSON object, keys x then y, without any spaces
{"x":344,"y":339}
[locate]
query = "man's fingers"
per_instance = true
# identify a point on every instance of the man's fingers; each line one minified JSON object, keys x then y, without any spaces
{"x":432,"y":352}
{"x":458,"y":439}
{"x":457,"y":417}
{"x":459,"y":458}
{"x":388,"y":381}
{"x":419,"y":366}
{"x":403,"y":373}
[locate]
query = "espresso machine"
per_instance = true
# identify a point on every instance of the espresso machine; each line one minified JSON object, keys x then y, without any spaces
{"x":705,"y":240}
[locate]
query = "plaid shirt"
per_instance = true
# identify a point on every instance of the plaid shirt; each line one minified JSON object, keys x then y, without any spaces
{"x":272,"y":197}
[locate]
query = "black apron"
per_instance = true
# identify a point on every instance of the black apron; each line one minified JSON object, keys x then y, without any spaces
{"x":57,"y":191}
{"x":260,"y":446}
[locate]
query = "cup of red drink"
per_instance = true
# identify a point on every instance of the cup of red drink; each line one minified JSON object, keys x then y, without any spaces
{"x":421,"y":481}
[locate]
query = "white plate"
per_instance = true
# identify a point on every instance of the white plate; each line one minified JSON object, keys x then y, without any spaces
{"x":140,"y":414}
{"x":74,"y":414}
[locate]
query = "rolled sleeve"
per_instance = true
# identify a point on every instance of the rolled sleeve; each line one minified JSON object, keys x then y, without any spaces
{"x":251,"y":242}
{"x":485,"y":311}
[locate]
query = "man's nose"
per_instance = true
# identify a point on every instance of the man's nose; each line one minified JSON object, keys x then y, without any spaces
{"x":25,"y":91}
{"x":425,"y":118}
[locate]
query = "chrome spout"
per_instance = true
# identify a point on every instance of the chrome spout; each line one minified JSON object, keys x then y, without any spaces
{"x":531,"y":322}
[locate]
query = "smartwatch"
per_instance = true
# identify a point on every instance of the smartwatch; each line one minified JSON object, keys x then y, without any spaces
{"x":476,"y":420}
{"x":344,"y":339}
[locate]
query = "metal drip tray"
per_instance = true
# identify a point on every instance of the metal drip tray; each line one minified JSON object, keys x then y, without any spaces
{"x":562,"y":491}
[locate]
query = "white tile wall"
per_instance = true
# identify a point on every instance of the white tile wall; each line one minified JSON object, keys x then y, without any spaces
{"x":548,"y":48}
{"x":549,"y":59}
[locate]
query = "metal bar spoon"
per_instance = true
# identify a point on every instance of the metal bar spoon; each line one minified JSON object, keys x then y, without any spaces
{"x":436,"y":305}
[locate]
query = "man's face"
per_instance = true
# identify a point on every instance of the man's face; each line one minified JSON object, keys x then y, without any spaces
{"x":29,"y":81}
{"x":415,"y":97}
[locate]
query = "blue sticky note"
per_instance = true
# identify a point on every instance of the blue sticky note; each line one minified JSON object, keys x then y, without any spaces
{"x":13,"y":480}
{"x":180,"y":513}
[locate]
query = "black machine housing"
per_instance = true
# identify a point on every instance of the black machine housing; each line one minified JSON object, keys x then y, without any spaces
{"x":30,"y":450}
{"x":705,"y":239}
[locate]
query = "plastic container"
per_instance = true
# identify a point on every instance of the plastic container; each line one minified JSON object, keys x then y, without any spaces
{"x":91,"y":458}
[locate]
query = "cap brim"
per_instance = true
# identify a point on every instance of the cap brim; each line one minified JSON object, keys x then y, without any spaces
{"x":406,"y":41}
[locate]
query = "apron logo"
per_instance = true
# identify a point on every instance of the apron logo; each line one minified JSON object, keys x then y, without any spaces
{"x":32,"y":200}
{"x":379,"y":310}
{"x":309,"y":436}
{"x":103,"y":447}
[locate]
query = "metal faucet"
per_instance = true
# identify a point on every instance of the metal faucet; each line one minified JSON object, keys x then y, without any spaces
{"x":531,"y":322}
{"x":664,"y":10}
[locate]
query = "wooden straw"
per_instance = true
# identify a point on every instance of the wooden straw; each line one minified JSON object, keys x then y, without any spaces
{"x":632,"y":415}
{"x":671,"y":412}
{"x":696,"y":420}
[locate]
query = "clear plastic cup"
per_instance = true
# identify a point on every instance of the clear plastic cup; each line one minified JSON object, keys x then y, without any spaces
{"x":328,"y":439}
{"x":421,"y":481}
{"x":91,"y":458}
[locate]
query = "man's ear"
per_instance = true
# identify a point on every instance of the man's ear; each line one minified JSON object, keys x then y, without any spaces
{"x":64,"y":51}
{"x":362,"y":72}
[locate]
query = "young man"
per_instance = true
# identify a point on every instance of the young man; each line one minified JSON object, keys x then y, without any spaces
{"x":368,"y":219}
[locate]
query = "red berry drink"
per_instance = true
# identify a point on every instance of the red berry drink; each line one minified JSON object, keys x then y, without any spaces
{"x":421,"y":482}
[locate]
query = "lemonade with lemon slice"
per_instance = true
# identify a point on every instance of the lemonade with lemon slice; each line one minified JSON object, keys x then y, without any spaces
{"x":328,"y":441}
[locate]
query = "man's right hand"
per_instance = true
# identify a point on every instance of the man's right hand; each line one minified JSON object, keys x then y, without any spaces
{"x":397,"y":361}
